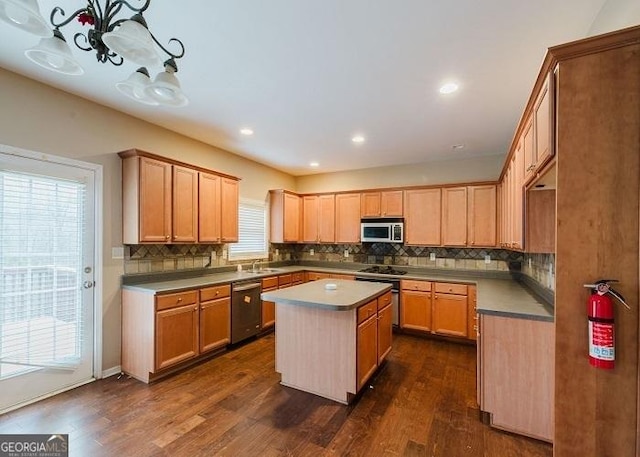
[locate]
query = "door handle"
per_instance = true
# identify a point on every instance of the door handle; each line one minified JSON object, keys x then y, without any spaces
{"x":88,"y":284}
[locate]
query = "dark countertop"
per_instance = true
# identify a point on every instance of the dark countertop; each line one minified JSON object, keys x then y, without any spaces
{"x":498,"y":293}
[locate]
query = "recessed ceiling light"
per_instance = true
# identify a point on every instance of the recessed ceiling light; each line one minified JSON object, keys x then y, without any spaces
{"x":448,"y":88}
{"x":246,"y":131}
{"x":357,"y":139}
{"x":314,"y":164}
{"x":457,"y":147}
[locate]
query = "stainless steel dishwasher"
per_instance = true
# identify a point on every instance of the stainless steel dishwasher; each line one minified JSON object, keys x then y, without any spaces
{"x":246,"y":310}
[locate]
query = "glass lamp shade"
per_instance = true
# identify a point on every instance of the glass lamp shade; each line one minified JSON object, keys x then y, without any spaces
{"x":134,"y":87}
{"x":133,"y":42}
{"x":165,"y":89}
{"x":25,"y":15}
{"x":54,"y":54}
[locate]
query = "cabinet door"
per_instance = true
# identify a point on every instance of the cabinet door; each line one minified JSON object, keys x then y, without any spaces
{"x":347,"y":218}
{"x":529,"y":150}
{"x":291,"y":218}
{"x":518,"y":199}
{"x":385,"y":332}
{"x":422,"y":217}
{"x":415,"y":310}
{"x":450,"y":314}
{"x":370,"y":204}
{"x":209,"y":208}
{"x":268,"y":313}
{"x":215,"y":324}
{"x":454,"y":216}
{"x":391,"y":203}
{"x":176,"y":335}
{"x":472,"y":314}
{"x":185,"y":205}
{"x":310,"y":214}
{"x":542,"y":123}
{"x":327,"y":219}
{"x":155,"y":201}
{"x":481,"y":212}
{"x":228,"y":210}
{"x":367,"y":350}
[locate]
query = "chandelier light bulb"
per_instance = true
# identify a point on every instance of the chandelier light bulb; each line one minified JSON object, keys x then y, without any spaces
{"x":25,"y":15}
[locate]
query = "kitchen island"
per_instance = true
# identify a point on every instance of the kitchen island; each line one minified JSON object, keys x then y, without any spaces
{"x":331,"y":335}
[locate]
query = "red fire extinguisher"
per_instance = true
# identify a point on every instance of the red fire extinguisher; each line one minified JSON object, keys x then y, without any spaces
{"x":601,"y":328}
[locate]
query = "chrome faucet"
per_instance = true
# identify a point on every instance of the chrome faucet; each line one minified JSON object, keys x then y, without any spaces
{"x":253,"y":267}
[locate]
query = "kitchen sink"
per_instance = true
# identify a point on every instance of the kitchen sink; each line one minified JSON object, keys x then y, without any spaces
{"x":269,"y":270}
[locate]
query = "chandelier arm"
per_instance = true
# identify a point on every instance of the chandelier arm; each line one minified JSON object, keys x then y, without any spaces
{"x":119,"y":4}
{"x":111,"y":12}
{"x":98,"y":15}
{"x":115,"y":59}
{"x":79,"y":35}
{"x":57,"y":9}
{"x":175,"y":56}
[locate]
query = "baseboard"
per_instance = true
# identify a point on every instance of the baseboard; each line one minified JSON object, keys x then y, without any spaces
{"x":111,"y":371}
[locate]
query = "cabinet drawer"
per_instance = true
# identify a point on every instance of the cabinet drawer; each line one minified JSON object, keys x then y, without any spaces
{"x":212,"y":293}
{"x":284,"y":280}
{"x":422,"y":286}
{"x":368,"y":310}
{"x":451,"y":288}
{"x":179,"y":299}
{"x":384,"y":300}
{"x":297,"y":277}
{"x":340,"y":276}
{"x":270,"y":283}
{"x":315,"y":276}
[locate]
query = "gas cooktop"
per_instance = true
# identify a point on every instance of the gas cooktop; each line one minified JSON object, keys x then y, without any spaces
{"x":383,"y":270}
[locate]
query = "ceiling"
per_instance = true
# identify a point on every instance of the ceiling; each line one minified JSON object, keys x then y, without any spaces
{"x":308,"y":76}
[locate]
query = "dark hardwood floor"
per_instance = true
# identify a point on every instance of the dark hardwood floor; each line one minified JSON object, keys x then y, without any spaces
{"x":421,"y":403}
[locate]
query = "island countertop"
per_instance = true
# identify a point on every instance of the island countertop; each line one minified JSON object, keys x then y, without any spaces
{"x":346,"y":296}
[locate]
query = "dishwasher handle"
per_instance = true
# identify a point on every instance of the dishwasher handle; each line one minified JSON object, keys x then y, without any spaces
{"x":249,"y":286}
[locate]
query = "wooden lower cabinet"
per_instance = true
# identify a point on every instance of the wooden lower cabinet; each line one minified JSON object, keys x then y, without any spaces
{"x":215,"y":319}
{"x":516,"y":374}
{"x":385,"y":332}
{"x":160,"y":332}
{"x":176,"y":335}
{"x":373,"y":337}
{"x":439,"y":308}
{"x":450,"y":314}
{"x":367,"y":349}
{"x":269,"y":307}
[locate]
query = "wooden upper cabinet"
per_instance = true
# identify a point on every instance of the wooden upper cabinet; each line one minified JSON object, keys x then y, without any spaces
{"x":542,"y":118}
{"x":318,"y":221}
{"x":541,"y":220}
{"x":454,"y":216}
{"x":327,"y":219}
{"x":347,"y":218}
{"x":482,"y":216}
{"x":209,"y":208}
{"x":286,"y":217}
{"x":165,"y":201}
{"x":310,"y":218}
{"x":185,"y":205}
{"x":229,"y":202}
{"x":422,"y":216}
{"x":530,"y":158}
{"x":382,"y":204}
{"x":150,"y":214}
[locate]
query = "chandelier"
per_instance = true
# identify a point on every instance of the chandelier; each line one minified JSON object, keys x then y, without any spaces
{"x":114,"y":40}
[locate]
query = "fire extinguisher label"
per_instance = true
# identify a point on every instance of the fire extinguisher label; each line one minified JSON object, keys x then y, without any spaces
{"x":601,"y":341}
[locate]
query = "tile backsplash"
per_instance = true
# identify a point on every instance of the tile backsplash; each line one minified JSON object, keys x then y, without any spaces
{"x":541,"y":268}
{"x":159,"y":258}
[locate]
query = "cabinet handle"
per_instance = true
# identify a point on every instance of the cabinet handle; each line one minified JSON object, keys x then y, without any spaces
{"x":195,"y":309}
{"x":179,"y":299}
{"x":167,"y":237}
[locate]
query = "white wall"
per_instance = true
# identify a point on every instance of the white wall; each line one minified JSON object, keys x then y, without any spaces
{"x":37,"y":117}
{"x":616,"y":14}
{"x":422,"y":174}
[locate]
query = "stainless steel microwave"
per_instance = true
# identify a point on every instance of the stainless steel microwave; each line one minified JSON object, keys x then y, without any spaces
{"x":382,"y":230}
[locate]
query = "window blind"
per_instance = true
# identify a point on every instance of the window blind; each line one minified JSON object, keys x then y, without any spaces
{"x":252,"y":231}
{"x":41,"y":236}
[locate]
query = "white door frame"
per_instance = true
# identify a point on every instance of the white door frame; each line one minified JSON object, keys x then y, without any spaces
{"x":97,"y":290}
